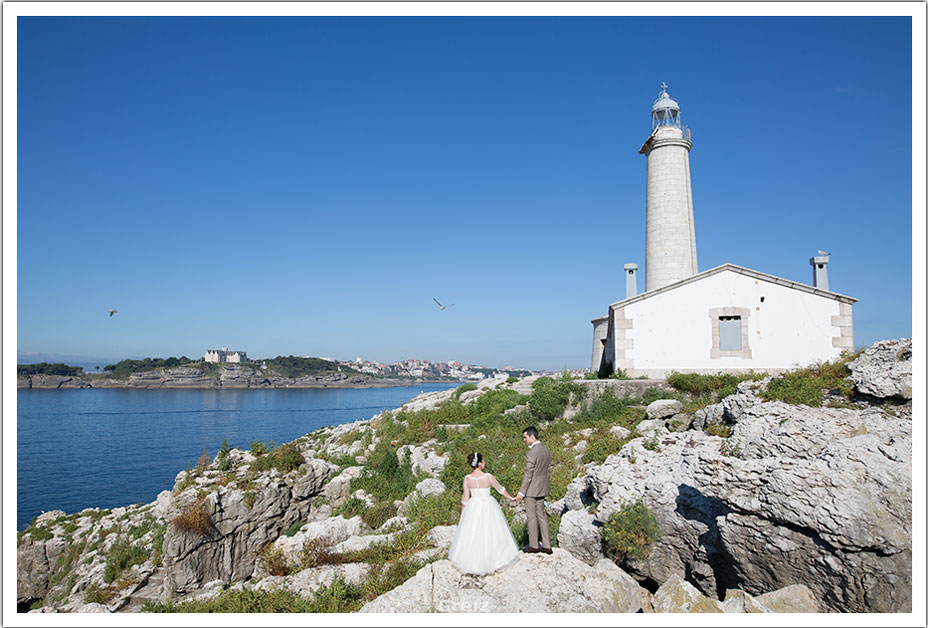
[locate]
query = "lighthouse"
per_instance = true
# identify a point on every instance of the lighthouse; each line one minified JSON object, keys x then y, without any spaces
{"x":670,"y":242}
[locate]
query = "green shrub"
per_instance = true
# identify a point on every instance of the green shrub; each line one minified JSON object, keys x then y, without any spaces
{"x":337,"y":597}
{"x":435,"y":510}
{"x":377,"y":515}
{"x":512,"y":379}
{"x":351,"y":507}
{"x":93,"y":594}
{"x":40,"y":533}
{"x":550,"y":397}
{"x":808,"y":386}
{"x":652,"y":394}
{"x":384,"y":477}
{"x":295,"y":527}
{"x":157,"y":543}
{"x":630,"y":531}
{"x":260,"y":447}
{"x":601,"y":445}
{"x":223,"y":458}
{"x":463,"y":389}
{"x":718,"y":430}
{"x":285,"y":459}
{"x":121,"y":555}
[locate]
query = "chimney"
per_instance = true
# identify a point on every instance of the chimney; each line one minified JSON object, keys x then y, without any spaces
{"x":631,"y":280}
{"x":819,"y":271}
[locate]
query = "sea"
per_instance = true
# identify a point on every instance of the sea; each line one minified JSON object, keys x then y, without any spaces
{"x":106,"y":448}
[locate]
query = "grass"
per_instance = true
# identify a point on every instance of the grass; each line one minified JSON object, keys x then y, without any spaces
{"x":194,"y":518}
{"x":285,"y":459}
{"x":122,"y":555}
{"x":338,"y":597}
{"x":808,"y":386}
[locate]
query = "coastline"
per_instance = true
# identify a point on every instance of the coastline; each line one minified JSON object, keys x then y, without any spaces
{"x":166,"y":381}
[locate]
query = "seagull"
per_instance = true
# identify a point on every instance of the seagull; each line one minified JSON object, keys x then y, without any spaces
{"x":112,"y":312}
{"x":440,"y":306}
{"x":821,"y":252}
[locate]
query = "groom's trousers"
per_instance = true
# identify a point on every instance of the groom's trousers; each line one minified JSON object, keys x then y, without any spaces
{"x":536,"y":519}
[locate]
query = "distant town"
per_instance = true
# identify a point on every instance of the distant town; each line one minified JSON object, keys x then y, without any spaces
{"x":413,"y":368}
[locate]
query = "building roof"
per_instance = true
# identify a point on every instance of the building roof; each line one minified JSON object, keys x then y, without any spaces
{"x":756,"y":274}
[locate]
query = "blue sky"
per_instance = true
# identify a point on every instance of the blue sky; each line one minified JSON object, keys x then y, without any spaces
{"x":307,"y":185}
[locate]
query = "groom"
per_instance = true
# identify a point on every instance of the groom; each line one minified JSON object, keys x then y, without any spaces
{"x":534,"y":490}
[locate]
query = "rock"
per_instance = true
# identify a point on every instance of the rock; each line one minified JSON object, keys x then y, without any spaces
{"x":92,"y":608}
{"x":336,"y":491}
{"x":648,"y":427}
{"x":430,"y":486}
{"x":664,"y":408}
{"x":163,"y":505}
{"x":442,"y":536}
{"x":560,"y":583}
{"x":48,"y":517}
{"x":679,"y":596}
{"x":579,"y":494}
{"x":326,"y":532}
{"x":884,"y":369}
{"x":306,"y":582}
{"x":578,"y":535}
{"x":680,"y":422}
{"x":423,"y":457}
{"x":619,"y":432}
{"x":737,"y":601}
{"x":795,"y":598}
{"x":363,"y":496}
{"x":796,"y":495}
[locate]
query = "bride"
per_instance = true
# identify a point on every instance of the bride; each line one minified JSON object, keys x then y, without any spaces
{"x":482,"y":542}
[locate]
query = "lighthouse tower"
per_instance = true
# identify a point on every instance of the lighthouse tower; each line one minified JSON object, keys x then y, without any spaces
{"x":670,"y":243}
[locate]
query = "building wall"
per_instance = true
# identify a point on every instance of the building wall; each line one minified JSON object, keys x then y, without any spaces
{"x":674,"y":330}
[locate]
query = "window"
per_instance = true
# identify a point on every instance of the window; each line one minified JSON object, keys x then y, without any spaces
{"x":729,"y":333}
{"x":730,"y":337}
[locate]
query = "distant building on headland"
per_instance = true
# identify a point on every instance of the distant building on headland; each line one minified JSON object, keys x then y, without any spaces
{"x":727,"y":318}
{"x":224,"y":355}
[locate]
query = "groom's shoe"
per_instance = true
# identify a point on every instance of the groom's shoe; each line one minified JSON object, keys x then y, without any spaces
{"x":545,"y":550}
{"x":528,"y":549}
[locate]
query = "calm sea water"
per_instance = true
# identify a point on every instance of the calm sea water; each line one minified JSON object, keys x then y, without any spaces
{"x":106,"y":448}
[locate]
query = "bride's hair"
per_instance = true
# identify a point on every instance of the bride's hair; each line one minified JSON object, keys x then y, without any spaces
{"x":474,"y":459}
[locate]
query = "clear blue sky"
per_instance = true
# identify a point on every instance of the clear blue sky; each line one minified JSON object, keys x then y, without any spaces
{"x":307,"y":185}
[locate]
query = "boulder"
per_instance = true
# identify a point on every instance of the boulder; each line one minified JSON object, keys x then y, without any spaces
{"x":884,"y":369}
{"x":336,"y":491}
{"x":737,"y":601}
{"x":329,"y":531}
{"x":796,"y":598}
{"x":306,"y":582}
{"x":429,"y":487}
{"x":679,"y":596}
{"x":649,"y":427}
{"x":796,"y":495}
{"x":423,"y":457}
{"x":579,"y":535}
{"x":619,"y":432}
{"x":536,"y":583}
{"x":680,"y":422}
{"x":663,"y":408}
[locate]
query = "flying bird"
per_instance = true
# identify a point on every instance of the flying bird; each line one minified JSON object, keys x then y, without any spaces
{"x":821,"y":252}
{"x":440,"y":306}
{"x":112,"y":312}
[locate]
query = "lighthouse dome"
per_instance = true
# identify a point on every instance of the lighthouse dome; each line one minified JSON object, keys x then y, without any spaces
{"x":664,"y":102}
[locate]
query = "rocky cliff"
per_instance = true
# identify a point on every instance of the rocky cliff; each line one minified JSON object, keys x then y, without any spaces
{"x":797,"y":509}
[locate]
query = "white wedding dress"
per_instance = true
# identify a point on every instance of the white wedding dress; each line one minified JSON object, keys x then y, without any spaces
{"x":482,"y":542}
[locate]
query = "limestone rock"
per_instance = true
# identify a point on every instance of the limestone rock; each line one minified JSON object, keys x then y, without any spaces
{"x":423,"y":457}
{"x":430,"y":486}
{"x":663,"y":408}
{"x":92,"y":608}
{"x":579,"y":536}
{"x":884,"y":369}
{"x":649,"y":427}
{"x":337,"y":489}
{"x":680,"y":422}
{"x":536,"y":583}
{"x":329,"y":531}
{"x":795,"y":598}
{"x":308,"y":581}
{"x":679,"y":596}
{"x":817,"y":496}
{"x":737,"y":601}
{"x":619,"y":432}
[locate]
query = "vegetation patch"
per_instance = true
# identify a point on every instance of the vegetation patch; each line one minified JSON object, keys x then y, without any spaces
{"x":195,"y":518}
{"x":95,"y":594}
{"x":285,"y":459}
{"x":122,"y":555}
{"x":45,"y":368}
{"x":808,"y":386}
{"x":630,"y":531}
{"x":377,"y":515}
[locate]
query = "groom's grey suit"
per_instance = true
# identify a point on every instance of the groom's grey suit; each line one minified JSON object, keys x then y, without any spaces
{"x":535,"y":489}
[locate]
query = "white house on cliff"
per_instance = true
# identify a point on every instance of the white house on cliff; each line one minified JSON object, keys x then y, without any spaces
{"x":725,"y":319}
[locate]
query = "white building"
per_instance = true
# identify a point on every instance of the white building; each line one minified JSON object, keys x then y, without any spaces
{"x":224,"y":355}
{"x":726,"y":319}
